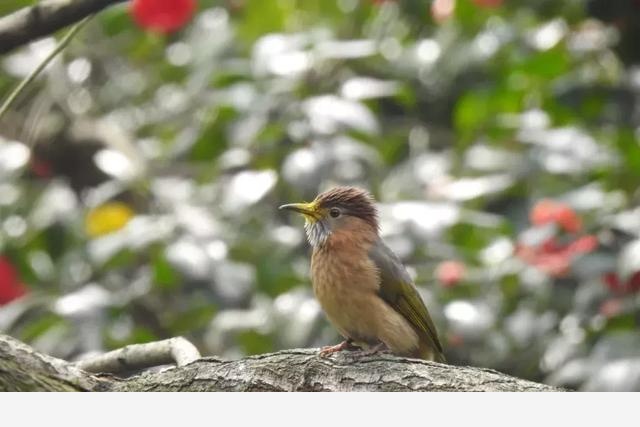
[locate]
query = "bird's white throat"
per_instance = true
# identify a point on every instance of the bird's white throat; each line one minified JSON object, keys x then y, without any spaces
{"x":317,"y":232}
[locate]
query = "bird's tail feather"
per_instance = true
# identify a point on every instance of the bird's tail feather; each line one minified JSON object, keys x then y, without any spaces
{"x":426,"y":352}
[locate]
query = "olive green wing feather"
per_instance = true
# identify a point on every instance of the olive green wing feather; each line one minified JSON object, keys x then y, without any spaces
{"x":398,"y":290}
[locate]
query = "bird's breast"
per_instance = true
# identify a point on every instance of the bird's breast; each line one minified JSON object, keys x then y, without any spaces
{"x":346,"y":284}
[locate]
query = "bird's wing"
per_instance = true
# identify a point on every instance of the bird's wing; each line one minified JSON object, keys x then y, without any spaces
{"x":398,"y":290}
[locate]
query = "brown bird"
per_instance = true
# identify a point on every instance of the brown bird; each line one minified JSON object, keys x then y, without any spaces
{"x":360,"y":283}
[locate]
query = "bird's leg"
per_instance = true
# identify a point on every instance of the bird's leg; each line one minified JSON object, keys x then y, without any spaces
{"x":344,"y":345}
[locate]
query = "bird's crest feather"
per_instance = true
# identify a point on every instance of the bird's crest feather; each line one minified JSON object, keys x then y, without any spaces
{"x":355,"y":201}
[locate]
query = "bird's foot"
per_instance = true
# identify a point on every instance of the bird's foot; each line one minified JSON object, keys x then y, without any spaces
{"x":376,"y":349}
{"x":344,"y":345}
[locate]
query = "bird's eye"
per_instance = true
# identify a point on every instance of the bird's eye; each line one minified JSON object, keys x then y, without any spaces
{"x":334,"y":212}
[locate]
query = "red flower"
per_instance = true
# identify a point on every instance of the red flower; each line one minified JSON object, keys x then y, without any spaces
{"x":441,"y":10}
{"x":584,"y":244}
{"x":555,"y":258}
{"x":610,"y":308}
{"x":488,"y":3}
{"x":41,"y":168}
{"x":617,"y":286}
{"x":449,"y":273}
{"x":554,"y":263}
{"x":163,"y":16}
{"x":10,"y":286}
{"x":568,"y":219}
{"x":549,"y":211}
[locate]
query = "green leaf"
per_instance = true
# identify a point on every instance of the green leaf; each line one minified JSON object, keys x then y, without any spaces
{"x":546,"y":65}
{"x":472,"y":111}
{"x":164,"y":276}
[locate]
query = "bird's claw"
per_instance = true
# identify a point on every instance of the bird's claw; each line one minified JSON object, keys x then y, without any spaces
{"x":344,"y":345}
{"x":378,"y":348}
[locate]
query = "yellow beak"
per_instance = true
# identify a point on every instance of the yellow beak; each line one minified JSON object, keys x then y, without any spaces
{"x":309,"y":210}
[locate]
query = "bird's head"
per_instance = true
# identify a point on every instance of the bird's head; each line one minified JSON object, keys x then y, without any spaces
{"x":339,"y":210}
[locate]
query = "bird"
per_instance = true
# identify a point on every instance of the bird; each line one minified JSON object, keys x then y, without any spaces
{"x":361,"y":285}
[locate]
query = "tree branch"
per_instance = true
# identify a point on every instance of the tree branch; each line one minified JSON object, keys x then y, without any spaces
{"x":44,"y":18}
{"x":32,"y":76}
{"x":139,"y":356}
{"x":22,"y":369}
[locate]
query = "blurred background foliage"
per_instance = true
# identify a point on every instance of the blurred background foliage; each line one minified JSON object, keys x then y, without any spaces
{"x":140,"y":176}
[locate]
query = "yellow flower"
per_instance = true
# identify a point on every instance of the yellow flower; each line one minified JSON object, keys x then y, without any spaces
{"x":107,"y":218}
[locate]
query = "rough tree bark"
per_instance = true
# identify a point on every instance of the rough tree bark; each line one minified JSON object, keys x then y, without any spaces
{"x":24,"y":369}
{"x":44,"y":18}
